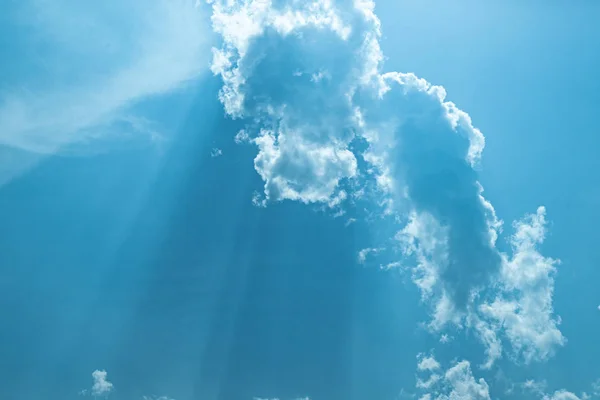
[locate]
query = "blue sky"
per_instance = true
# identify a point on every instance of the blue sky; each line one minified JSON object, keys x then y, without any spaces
{"x":289,"y":200}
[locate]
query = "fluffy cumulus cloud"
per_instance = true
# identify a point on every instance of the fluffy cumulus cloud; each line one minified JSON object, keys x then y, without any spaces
{"x":428,"y":364}
{"x":524,"y":309}
{"x":562,"y":395}
{"x":456,"y":383}
{"x":429,"y":148}
{"x":79,"y":87}
{"x":329,"y":123}
{"x":101,"y":386}
{"x":539,"y":389}
{"x":279,"y":74}
{"x":515,"y":307}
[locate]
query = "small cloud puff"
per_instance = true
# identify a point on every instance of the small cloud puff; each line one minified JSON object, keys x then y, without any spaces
{"x":445,"y":338}
{"x":242,"y":137}
{"x":101,"y":386}
{"x":427,"y":364}
{"x":364,"y":253}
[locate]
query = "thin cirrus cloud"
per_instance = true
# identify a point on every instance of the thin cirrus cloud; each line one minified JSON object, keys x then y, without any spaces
{"x":77,"y":69}
{"x":328,"y":122}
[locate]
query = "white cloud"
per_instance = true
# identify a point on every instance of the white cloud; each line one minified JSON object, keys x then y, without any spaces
{"x":524,"y":309}
{"x":562,"y":395}
{"x":308,"y":79}
{"x":463,"y":384}
{"x":131,"y":50}
{"x":304,"y":128}
{"x":426,"y":239}
{"x":364,"y":253}
{"x":429,"y":382}
{"x":242,"y":137}
{"x":295,"y":169}
{"x":445,"y":338}
{"x":537,"y":387}
{"x":428,"y":363}
{"x":457,"y":383}
{"x":101,"y":386}
{"x":300,"y":99}
{"x":488,"y":335}
{"x":521,"y":309}
{"x":216,"y":152}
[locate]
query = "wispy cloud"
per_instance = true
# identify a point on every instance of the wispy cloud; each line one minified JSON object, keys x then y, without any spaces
{"x":98,"y":60}
{"x":364,"y":254}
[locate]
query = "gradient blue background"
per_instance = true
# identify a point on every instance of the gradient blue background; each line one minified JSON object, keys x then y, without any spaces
{"x":152,"y":263}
